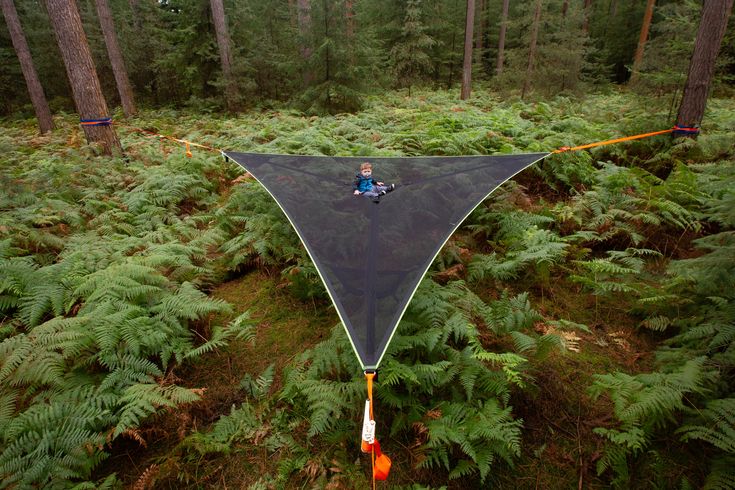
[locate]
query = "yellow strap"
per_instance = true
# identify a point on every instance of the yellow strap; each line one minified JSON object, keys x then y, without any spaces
{"x":188,"y":144}
{"x":610,"y":142}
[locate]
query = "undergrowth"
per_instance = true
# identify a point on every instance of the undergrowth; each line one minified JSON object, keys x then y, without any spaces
{"x":105,"y":266}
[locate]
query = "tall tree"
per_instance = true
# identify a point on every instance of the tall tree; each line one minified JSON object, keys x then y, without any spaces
{"x":642,"y":39}
{"x":350,"y":18}
{"x":468,"y":37}
{"x":587,"y":13}
{"x":712,"y":27}
{"x":35,"y":90}
{"x":532,"y":48}
{"x":80,"y":69}
{"x":480,"y":33}
{"x":501,"y":39}
{"x":304,"y":18}
{"x":410,"y":53}
{"x":223,"y":43}
{"x":116,"y":59}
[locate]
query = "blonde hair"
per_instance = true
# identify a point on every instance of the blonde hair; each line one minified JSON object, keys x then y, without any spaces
{"x":365,"y":165}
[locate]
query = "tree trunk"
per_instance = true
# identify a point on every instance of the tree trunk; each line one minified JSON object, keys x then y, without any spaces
{"x":451,"y":60}
{"x":468,"y":37}
{"x":587,"y":8}
{"x":327,"y":64}
{"x":304,"y":18}
{"x":712,"y":27}
{"x":35,"y":90}
{"x":116,"y":59}
{"x":80,"y":69}
{"x":480,"y":31}
{"x":564,"y":9}
{"x":350,"y":18}
{"x":532,"y":49}
{"x":638,"y":58}
{"x":223,"y":42}
{"x":501,"y":40}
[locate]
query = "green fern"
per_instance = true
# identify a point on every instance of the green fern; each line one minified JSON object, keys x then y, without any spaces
{"x":714,"y":424}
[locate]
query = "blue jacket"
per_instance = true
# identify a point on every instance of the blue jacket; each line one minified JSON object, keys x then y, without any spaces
{"x":362,"y":184}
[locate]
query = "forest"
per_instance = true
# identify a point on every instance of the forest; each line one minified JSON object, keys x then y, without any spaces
{"x":163,"y":326}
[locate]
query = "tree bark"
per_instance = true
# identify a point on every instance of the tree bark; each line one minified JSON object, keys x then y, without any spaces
{"x":80,"y":69}
{"x":350,"y":19}
{"x":304,"y":18}
{"x":587,"y":13}
{"x":712,"y":27}
{"x":501,"y":39}
{"x":116,"y":58}
{"x":35,"y":90}
{"x":223,"y":43}
{"x":468,"y":37}
{"x":642,"y":39}
{"x":480,"y":31}
{"x":587,"y":8}
{"x":532,"y":48}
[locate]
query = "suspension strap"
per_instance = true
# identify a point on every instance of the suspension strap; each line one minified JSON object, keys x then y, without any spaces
{"x":610,"y":142}
{"x":381,"y":463}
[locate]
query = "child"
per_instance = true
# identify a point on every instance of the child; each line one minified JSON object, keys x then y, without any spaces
{"x":365,"y":185}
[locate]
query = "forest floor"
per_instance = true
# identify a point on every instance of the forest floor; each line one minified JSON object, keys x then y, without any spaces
{"x":559,"y":447}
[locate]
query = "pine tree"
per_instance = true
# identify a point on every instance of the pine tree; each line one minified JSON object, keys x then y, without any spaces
{"x":223,"y":43}
{"x":305,"y":43}
{"x":467,"y":65}
{"x":116,"y":58}
{"x":341,"y":64}
{"x":638,"y":58}
{"x":712,"y":26}
{"x":35,"y":90}
{"x":532,"y":48}
{"x":410,"y":54}
{"x":501,"y":40}
{"x":80,"y":69}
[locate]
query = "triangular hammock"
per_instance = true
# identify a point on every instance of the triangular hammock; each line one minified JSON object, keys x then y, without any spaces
{"x":372,"y":255}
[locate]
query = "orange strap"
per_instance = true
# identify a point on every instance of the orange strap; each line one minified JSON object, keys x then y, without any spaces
{"x":370,"y":377}
{"x":610,"y":142}
{"x":381,"y":463}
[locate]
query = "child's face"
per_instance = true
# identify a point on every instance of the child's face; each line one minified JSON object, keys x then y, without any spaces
{"x":366,"y":172}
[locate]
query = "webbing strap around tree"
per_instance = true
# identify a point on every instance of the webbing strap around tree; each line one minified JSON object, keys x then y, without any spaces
{"x":685,"y":130}
{"x":105,"y":121}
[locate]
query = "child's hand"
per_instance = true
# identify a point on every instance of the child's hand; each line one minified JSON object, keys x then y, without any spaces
{"x":380,"y":183}
{"x":357,"y":193}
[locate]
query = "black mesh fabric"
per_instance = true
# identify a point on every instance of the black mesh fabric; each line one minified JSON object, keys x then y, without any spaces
{"x":372,"y":255}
